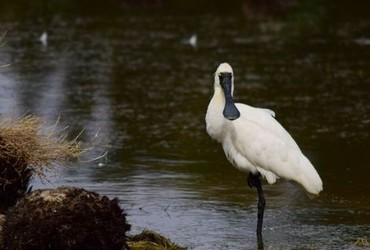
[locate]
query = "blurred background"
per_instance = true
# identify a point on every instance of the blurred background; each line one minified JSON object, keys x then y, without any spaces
{"x":137,"y":77}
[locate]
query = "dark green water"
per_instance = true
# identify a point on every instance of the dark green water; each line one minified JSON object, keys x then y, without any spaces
{"x":128,"y":75}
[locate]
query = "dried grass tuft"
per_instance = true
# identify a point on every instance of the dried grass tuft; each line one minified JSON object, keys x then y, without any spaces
{"x":2,"y":38}
{"x":25,"y":141}
{"x":2,"y":42}
{"x":362,"y":242}
{"x":28,"y":147}
{"x":149,"y":240}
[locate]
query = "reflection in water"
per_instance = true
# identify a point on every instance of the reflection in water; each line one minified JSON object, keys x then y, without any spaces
{"x":131,"y":79}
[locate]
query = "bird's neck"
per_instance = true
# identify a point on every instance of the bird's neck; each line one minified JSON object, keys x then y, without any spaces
{"x":214,"y":118}
{"x":218,"y":99}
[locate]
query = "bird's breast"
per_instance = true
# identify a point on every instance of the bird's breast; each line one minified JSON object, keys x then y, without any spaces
{"x":215,"y":128}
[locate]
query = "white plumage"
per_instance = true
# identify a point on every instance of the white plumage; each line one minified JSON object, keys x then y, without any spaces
{"x":44,"y":38}
{"x":255,"y":142}
{"x":193,"y":40}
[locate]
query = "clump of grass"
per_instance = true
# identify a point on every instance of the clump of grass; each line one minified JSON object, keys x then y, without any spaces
{"x":362,"y":242}
{"x":2,"y":36}
{"x":2,"y":42}
{"x":28,"y":147}
{"x":149,"y":240}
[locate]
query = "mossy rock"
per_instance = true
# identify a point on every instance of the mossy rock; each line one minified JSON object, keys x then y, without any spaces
{"x":65,"y":218}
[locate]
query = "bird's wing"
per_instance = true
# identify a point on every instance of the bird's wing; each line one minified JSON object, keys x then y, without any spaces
{"x":264,"y":119}
{"x":267,"y":145}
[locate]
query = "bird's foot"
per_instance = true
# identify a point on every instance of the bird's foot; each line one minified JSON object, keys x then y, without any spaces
{"x":254,"y":180}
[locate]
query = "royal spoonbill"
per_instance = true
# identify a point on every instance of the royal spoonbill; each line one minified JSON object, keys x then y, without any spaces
{"x":253,"y":141}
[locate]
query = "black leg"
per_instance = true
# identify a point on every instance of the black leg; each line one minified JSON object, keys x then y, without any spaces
{"x":254,"y":181}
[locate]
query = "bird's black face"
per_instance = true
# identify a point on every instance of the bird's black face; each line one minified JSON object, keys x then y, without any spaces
{"x":230,"y":111}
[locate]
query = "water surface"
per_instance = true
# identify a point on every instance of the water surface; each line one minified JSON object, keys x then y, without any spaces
{"x":132,"y":83}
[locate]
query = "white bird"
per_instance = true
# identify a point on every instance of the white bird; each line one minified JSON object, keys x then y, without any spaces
{"x":44,"y":38}
{"x":253,"y":141}
{"x":193,"y":40}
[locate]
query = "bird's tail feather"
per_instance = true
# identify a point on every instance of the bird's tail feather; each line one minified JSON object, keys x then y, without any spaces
{"x":310,"y":179}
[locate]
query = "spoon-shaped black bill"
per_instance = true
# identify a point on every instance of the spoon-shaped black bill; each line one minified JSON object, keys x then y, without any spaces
{"x":230,"y":111}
